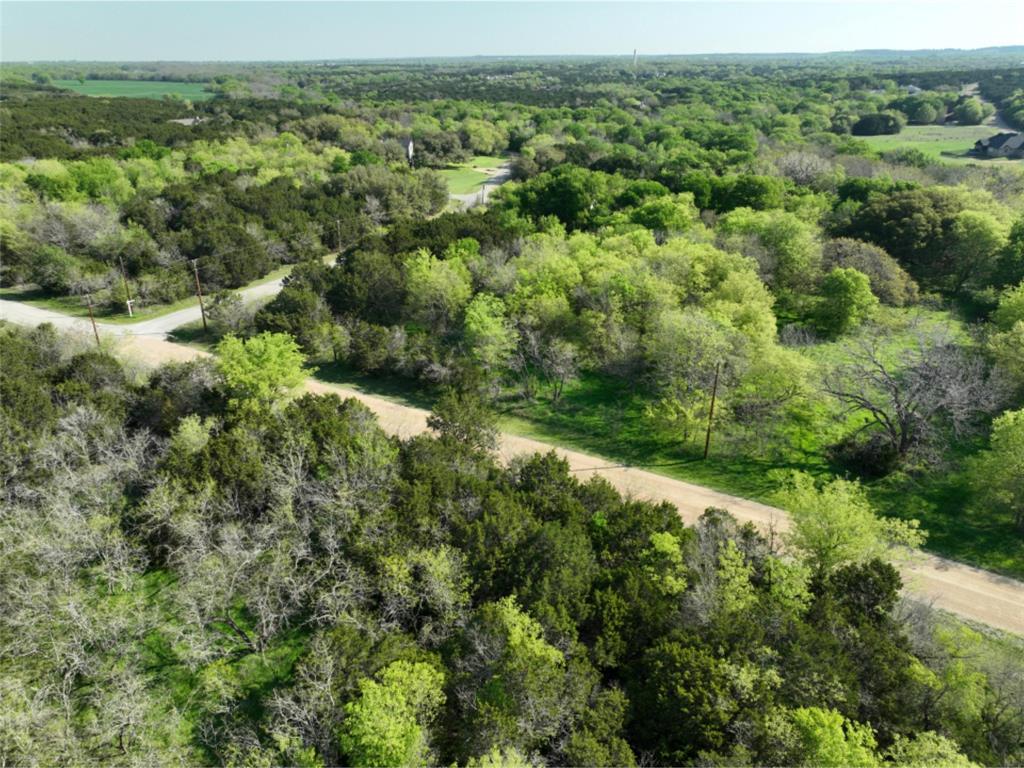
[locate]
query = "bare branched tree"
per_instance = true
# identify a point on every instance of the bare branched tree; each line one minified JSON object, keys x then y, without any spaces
{"x":909,"y":399}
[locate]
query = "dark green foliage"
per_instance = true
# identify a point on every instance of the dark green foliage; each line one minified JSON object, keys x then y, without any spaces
{"x":876,"y":125}
{"x":282,"y":560}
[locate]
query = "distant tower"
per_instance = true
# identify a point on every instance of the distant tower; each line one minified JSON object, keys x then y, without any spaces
{"x":634,"y":58}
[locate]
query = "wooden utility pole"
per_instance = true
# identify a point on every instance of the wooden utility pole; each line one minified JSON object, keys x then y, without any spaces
{"x":711,"y":411}
{"x":92,"y":319}
{"x":199,"y":293}
{"x":127,"y":292}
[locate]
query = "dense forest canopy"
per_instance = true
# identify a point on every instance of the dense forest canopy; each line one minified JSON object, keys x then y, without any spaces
{"x":199,"y":566}
{"x":197,"y":569}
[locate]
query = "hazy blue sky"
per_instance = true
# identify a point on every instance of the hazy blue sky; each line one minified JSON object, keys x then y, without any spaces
{"x":146,"y":31}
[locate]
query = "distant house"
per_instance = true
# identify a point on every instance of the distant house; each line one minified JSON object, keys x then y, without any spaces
{"x":1009,"y":145}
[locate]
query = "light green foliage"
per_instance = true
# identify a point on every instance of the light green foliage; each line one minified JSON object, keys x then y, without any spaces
{"x":1011,"y":308}
{"x":828,"y":740}
{"x":283,"y":155}
{"x":792,"y":252}
{"x":927,"y":750}
{"x":976,"y":240}
{"x":999,"y":472}
{"x":1007,"y":351}
{"x":259,"y":373}
{"x":102,"y":179}
{"x":972,"y":111}
{"x":387,"y":725}
{"x":833,"y":524}
{"x":488,"y":333}
{"x":52,"y":180}
{"x":438,"y":289}
{"x":664,"y":563}
{"x":846,"y":301}
{"x":518,"y":677}
{"x":788,"y":584}
{"x":735,"y":592}
{"x":431,"y":583}
{"x":191,"y":435}
{"x":666,"y":214}
{"x":498,"y":757}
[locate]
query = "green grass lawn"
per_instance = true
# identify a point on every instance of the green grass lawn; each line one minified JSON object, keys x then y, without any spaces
{"x":945,"y":143}
{"x":487,"y":161}
{"x":462,"y":180}
{"x":137,"y":89}
{"x":466,"y":178}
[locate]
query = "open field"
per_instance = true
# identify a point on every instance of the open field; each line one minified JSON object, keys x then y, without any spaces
{"x":945,"y":143}
{"x":463,"y":180}
{"x":137,"y":89}
{"x":466,"y":178}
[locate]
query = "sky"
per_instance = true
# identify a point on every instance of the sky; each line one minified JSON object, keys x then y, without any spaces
{"x":281,"y":31}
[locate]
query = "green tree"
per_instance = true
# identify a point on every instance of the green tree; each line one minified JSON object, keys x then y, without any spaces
{"x":388,"y":724}
{"x":927,"y":750}
{"x":1011,"y":308}
{"x":829,"y":740}
{"x":259,"y":373}
{"x":975,"y":242}
{"x":683,"y":702}
{"x":489,"y":335}
{"x":786,"y":248}
{"x":464,"y":418}
{"x":833,"y":524}
{"x":972,"y":111}
{"x":512,"y":680}
{"x":437,"y":290}
{"x":999,"y":472}
{"x":846,"y":301}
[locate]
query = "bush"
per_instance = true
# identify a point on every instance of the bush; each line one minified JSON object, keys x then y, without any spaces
{"x":879,"y":124}
{"x":863,"y":457}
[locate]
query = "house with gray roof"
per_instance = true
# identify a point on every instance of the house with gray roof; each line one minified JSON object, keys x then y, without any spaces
{"x":1009,"y":145}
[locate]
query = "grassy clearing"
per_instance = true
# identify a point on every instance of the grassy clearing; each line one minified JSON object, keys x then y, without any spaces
{"x":136,"y":89}
{"x":462,"y":180}
{"x":487,"y":161}
{"x":466,"y":178}
{"x":944,"y":143}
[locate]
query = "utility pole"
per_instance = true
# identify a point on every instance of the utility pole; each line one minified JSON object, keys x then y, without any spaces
{"x":199,"y":293}
{"x":92,"y":319}
{"x":127,"y":292}
{"x":711,"y":412}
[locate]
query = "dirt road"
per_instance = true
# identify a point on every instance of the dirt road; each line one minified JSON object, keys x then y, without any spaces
{"x":972,"y":593}
{"x":158,"y":327}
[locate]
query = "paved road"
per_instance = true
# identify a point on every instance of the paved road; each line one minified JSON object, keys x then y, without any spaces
{"x":970,"y":592}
